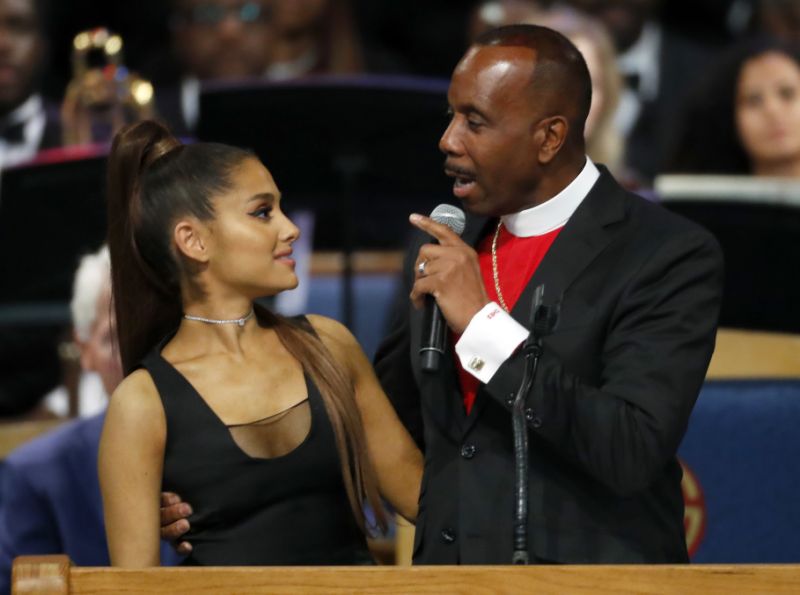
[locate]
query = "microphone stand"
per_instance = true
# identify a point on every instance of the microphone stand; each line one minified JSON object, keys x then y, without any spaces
{"x":541,"y":321}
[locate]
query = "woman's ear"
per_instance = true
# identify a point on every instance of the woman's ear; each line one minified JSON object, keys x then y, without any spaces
{"x":192,"y":239}
{"x":549,"y":136}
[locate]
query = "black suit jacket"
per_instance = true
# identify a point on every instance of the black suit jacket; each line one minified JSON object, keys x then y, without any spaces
{"x":640,"y":292}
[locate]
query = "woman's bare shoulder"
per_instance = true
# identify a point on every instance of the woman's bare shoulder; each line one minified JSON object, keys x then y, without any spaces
{"x":332,"y":332}
{"x":136,"y":394}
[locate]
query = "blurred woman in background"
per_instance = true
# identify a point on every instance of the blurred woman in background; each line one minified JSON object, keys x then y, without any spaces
{"x":746,"y":119}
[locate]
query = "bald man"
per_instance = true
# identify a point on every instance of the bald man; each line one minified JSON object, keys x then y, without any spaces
{"x":639,"y":292}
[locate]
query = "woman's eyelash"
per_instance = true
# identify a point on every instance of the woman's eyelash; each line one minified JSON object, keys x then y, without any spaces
{"x":262,"y":212}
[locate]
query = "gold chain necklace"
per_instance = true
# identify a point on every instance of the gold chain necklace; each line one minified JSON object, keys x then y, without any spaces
{"x":495,"y":272}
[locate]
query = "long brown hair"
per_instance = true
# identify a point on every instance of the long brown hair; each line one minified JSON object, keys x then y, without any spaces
{"x":153,"y":180}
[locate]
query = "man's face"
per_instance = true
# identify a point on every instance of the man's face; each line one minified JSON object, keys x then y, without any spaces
{"x":100,"y":353}
{"x":223,"y":39}
{"x":297,"y":16}
{"x":490,"y":142}
{"x":21,"y":52}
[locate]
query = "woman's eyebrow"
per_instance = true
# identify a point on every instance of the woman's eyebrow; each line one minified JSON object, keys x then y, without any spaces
{"x":263,"y":196}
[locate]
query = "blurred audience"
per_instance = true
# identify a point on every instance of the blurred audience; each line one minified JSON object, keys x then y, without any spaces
{"x":603,"y":141}
{"x":745,"y":118}
{"x":211,"y":40}
{"x":496,"y":13}
{"x":313,"y":37}
{"x":49,"y":492}
{"x":241,"y":39}
{"x":658,"y":66}
{"x":429,"y":35}
{"x":779,"y":18}
{"x":27,"y":122}
{"x":29,"y":364}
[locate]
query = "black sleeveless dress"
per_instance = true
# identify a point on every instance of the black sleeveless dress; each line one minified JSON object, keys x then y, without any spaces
{"x":286,"y":510}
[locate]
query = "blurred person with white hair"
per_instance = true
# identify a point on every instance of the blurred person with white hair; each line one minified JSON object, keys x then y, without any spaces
{"x":93,"y":331}
{"x":49,"y":492}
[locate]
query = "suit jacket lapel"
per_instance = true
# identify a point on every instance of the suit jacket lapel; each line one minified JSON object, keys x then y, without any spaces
{"x":583,"y":238}
{"x":476,"y":229}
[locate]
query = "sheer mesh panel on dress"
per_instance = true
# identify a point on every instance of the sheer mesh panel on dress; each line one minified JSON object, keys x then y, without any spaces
{"x":276,"y":435}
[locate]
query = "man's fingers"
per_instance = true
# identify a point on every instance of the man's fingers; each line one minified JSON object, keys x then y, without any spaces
{"x":175,"y":512}
{"x":445,"y":235}
{"x":421,"y":288}
{"x":184,"y":548}
{"x":174,"y":531}
{"x":168,"y":498}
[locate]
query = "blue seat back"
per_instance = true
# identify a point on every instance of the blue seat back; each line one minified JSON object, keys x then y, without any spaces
{"x":742,"y":452}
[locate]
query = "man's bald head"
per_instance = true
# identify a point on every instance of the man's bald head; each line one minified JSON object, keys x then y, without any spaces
{"x":560,"y":80}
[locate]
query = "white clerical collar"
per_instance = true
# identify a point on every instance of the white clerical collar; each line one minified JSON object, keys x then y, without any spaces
{"x":554,"y":213}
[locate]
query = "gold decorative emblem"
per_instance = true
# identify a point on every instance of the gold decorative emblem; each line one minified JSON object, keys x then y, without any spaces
{"x":694,"y":515}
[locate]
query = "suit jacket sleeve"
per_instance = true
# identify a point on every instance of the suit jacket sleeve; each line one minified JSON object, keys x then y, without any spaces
{"x":26,"y":523}
{"x":393,"y":362}
{"x":656,"y":351}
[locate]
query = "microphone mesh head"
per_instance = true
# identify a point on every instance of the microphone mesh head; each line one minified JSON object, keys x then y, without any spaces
{"x":451,"y":216}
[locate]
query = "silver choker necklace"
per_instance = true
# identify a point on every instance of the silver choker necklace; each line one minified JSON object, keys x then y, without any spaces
{"x":239,"y":321}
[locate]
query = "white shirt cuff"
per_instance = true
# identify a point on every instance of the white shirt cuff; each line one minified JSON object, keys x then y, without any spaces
{"x":489,"y":340}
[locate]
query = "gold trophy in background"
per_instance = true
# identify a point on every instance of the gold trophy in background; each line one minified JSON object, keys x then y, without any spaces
{"x":103,"y":95}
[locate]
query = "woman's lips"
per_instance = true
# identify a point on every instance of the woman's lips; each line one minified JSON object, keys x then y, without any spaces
{"x":286,"y":259}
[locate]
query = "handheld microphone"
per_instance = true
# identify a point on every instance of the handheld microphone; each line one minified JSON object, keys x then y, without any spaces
{"x":434,"y":329}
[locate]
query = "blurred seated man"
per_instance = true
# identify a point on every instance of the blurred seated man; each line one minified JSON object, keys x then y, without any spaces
{"x":29,"y":365}
{"x":27,"y":123}
{"x":49,"y":493}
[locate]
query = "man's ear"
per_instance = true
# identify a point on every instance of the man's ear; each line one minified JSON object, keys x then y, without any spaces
{"x":192,"y":239}
{"x":84,"y":352}
{"x":549,"y":136}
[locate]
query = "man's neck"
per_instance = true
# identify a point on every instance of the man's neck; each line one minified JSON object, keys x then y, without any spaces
{"x":556,"y":179}
{"x":554,"y":212}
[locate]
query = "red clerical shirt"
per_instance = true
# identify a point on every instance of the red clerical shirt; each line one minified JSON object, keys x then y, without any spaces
{"x":517,"y":260}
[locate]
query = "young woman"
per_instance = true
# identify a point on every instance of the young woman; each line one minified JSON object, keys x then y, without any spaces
{"x":275,"y":430}
{"x":745,"y":120}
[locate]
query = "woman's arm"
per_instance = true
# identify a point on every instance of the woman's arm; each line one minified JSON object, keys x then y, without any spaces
{"x":130,"y":465}
{"x":397,"y":460}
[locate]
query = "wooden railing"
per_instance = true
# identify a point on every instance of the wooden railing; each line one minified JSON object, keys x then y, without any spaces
{"x":51,"y":575}
{"x":741,"y":354}
{"x":16,"y":433}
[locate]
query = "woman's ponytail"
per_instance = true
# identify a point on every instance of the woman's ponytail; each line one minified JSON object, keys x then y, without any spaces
{"x":146,"y":305}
